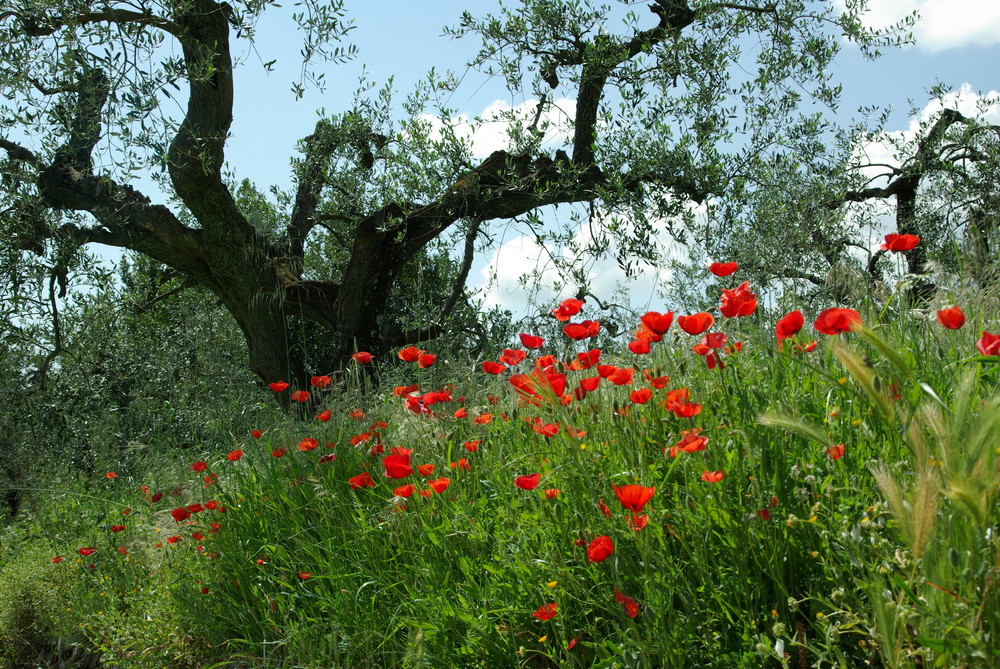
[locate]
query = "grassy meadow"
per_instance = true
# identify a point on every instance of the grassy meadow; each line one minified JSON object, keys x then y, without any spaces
{"x":722,"y":500}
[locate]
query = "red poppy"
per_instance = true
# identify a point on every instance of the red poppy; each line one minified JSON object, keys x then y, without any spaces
{"x":156,"y":497}
{"x":300,"y":396}
{"x":896,"y":242}
{"x":483,"y":419}
{"x":531,"y":341}
{"x":572,"y":643}
{"x":527,"y":481}
{"x":199,"y":466}
{"x":580,"y":331}
{"x":835,"y":452}
{"x":545,"y":429}
{"x":409,"y":354}
{"x":567,"y":308}
{"x":552,"y":493}
{"x":712,"y":477}
{"x":952,"y":318}
{"x":319,"y":381}
{"x":256,"y":434}
{"x":234,"y":455}
{"x":658,"y":382}
{"x":631,"y":606}
{"x":329,"y":457}
{"x":425,"y":470}
{"x":472,"y":446}
{"x":117,"y":528}
{"x":637,"y":521}
{"x":834,"y":321}
{"x":324,"y":415}
{"x":57,"y":559}
{"x":308,"y":444}
{"x":639,"y":346}
{"x":397,"y":466}
{"x":589,"y":359}
{"x":491,"y":367}
{"x":440,"y":485}
{"x":360,"y":438}
{"x":633,"y":497}
{"x":400,"y":391}
{"x":723,"y":268}
{"x":462,"y":463}
{"x":304,"y":575}
{"x":174,"y":539}
{"x":710,"y":341}
{"x":362,"y":357}
{"x":195,"y":508}
{"x":278,"y":452}
{"x":600,"y":549}
{"x":590,"y":383}
{"x":356,"y":414}
{"x":426,"y":360}
{"x":697,"y":323}
{"x":278,"y":386}
{"x":513,"y":356}
{"x":111,"y":475}
{"x":362,"y":480}
{"x":691,"y":442}
{"x":738,"y":301}
{"x":988,"y":344}
{"x":622,"y":376}
{"x":211,"y":505}
{"x":640,"y":396}
{"x":788,"y":325}
{"x":404,"y":490}
{"x":545,"y":611}
{"x":604,"y":508}
{"x":656,"y":322}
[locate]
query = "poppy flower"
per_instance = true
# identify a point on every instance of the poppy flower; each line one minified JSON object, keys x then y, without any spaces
{"x":400,"y":391}
{"x":440,"y":485}
{"x":278,"y":386}
{"x":404,"y":490}
{"x":117,"y":528}
{"x":723,"y":268}
{"x":637,"y":521}
{"x":952,"y":318}
{"x":545,"y":611}
{"x":362,"y":357}
{"x":691,"y":442}
{"x":319,"y":381}
{"x":545,"y":429}
{"x":590,"y":383}
{"x":697,"y":323}
{"x":483,"y":419}
{"x":324,"y":415}
{"x":397,"y":466}
{"x":426,"y":360}
{"x":656,"y":322}
{"x":896,"y":242}
{"x":738,"y":301}
{"x":199,"y":466}
{"x":360,"y":438}
{"x":87,"y":550}
{"x":462,"y":463}
{"x":300,"y":396}
{"x":362,"y":480}
{"x":425,"y":470}
{"x":156,"y":497}
{"x":531,"y":341}
{"x":356,"y":414}
{"x":639,"y":346}
{"x":410,"y":354}
{"x":57,"y":559}
{"x":472,"y":445}
{"x":111,"y":475}
{"x":835,"y":452}
{"x":527,"y":481}
{"x":589,"y":359}
{"x":600,"y":549}
{"x":567,"y":308}
{"x":581,"y":331}
{"x":572,"y":643}
{"x":640,"y":396}
{"x":552,"y":493}
{"x":631,"y":606}
{"x":491,"y":367}
{"x":513,"y":356}
{"x":278,"y":453}
{"x":834,"y":321}
{"x":712,"y":477}
{"x":788,"y":325}
{"x":604,"y":508}
{"x":988,"y":344}
{"x":633,"y":497}
{"x":622,"y":376}
{"x":256,"y":434}
{"x":329,"y":457}
{"x":308,"y":444}
{"x":304,"y":575}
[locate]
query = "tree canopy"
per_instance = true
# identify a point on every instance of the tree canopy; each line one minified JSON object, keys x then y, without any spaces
{"x":674,"y":102}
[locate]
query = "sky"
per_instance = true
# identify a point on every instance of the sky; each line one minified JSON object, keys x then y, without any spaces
{"x":957,"y":45}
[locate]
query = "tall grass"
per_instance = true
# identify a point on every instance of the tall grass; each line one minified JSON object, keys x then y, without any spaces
{"x":855,"y":521}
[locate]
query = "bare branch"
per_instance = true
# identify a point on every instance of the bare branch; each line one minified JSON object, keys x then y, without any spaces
{"x":18,"y":152}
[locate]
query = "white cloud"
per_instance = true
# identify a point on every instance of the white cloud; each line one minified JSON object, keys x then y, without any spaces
{"x":943,"y":24}
{"x":489,"y":131}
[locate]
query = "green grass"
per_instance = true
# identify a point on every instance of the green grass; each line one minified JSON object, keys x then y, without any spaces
{"x":886,"y":555}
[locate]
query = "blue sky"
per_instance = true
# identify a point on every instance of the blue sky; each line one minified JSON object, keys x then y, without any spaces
{"x":958,"y":44}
